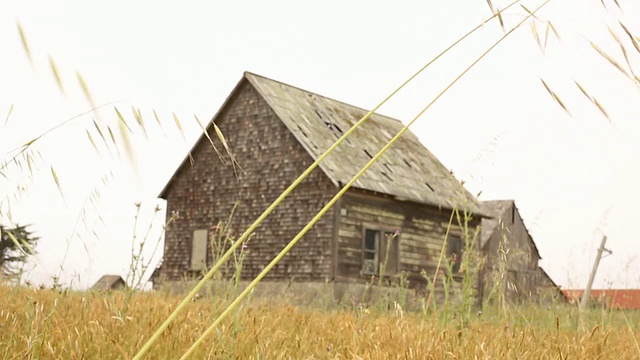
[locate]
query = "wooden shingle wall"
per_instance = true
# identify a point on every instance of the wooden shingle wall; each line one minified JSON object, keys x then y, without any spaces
{"x":204,"y":193}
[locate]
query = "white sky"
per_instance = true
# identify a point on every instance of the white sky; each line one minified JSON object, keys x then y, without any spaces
{"x":573,"y":178}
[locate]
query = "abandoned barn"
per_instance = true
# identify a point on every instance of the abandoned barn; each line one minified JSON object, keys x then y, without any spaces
{"x":511,"y":269}
{"x":395,"y":217}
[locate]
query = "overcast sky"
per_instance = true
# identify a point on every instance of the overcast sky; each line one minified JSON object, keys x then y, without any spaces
{"x":574,"y":178}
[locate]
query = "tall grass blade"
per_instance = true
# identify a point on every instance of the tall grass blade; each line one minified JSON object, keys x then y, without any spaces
{"x":6,"y":119}
{"x":25,"y":43}
{"x":531,"y":13}
{"x":582,"y":89}
{"x":125,"y":131}
{"x":536,"y":36}
{"x":555,"y":97}
{"x":342,"y":191}
{"x":633,"y":40}
{"x":112,"y":136}
{"x":493,"y":11}
{"x":104,"y":140}
{"x":177,"y":121}
{"x":57,"y":181}
{"x":93,"y":142}
{"x":440,"y":257}
{"x":206,"y":134}
{"x":187,"y":299}
{"x":29,"y":162}
{"x":546,"y":35}
{"x":85,"y":89}
{"x":21,"y":244}
{"x":555,"y":32}
{"x":113,"y":139}
{"x":56,"y":74}
{"x":220,"y":136}
{"x":123,"y":122}
{"x":602,"y":110}
{"x":496,"y":12}
{"x":138,"y":116}
{"x":609,"y":58}
{"x":614,"y":35}
{"x":499,"y":13}
{"x":155,"y":115}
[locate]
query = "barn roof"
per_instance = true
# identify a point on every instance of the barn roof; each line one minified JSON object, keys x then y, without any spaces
{"x":407,"y":171}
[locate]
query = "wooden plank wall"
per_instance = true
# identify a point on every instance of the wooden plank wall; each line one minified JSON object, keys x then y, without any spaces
{"x":422,"y":231}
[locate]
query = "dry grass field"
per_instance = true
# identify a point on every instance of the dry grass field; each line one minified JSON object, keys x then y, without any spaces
{"x":38,"y":323}
{"x":53,"y":324}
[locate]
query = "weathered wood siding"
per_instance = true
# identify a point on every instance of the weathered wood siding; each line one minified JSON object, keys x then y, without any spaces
{"x":422,"y":230}
{"x":518,"y":259}
{"x":204,"y":192}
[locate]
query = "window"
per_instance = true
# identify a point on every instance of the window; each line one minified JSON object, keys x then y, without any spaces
{"x":199,"y":250}
{"x":380,"y":250}
{"x":455,"y":250}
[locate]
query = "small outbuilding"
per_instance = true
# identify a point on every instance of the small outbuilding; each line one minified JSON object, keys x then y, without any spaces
{"x":511,"y":268}
{"x":109,"y":282}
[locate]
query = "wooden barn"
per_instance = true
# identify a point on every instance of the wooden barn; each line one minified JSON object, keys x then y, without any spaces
{"x":511,"y":266}
{"x":396,"y":214}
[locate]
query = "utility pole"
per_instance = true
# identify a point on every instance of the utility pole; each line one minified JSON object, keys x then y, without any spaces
{"x":587,"y":290}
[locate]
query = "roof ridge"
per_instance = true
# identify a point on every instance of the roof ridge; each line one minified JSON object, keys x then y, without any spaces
{"x":317,"y":94}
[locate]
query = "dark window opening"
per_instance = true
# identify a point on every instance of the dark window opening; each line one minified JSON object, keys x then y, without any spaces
{"x":388,"y":167}
{"x":455,"y":251}
{"x":406,"y":162}
{"x":386,"y":175}
{"x":429,"y":186}
{"x":513,"y":213}
{"x":380,"y":252}
{"x":370,"y":156}
{"x":319,"y":115}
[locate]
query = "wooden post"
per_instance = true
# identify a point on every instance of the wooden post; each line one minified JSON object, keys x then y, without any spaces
{"x":587,"y":290}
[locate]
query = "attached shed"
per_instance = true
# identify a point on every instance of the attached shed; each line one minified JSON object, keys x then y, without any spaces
{"x":396,"y":215}
{"x":511,"y":256}
{"x":109,"y":282}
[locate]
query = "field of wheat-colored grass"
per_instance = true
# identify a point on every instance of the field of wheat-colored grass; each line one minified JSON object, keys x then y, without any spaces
{"x":53,"y":324}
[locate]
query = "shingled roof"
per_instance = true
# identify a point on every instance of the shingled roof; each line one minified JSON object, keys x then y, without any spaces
{"x":497,"y":209}
{"x":407,"y":171}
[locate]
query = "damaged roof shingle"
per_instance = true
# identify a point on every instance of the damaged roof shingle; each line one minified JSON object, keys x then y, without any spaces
{"x":407,"y":170}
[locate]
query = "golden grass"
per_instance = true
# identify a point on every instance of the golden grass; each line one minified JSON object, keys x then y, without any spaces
{"x":71,"y":325}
